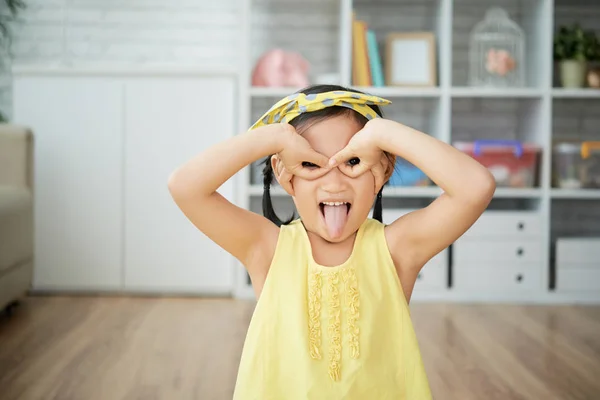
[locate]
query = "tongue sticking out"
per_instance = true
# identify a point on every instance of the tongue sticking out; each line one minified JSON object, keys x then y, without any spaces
{"x":335,"y":219}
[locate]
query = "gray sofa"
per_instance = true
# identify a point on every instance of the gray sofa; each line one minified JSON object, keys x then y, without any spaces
{"x":16,"y":213}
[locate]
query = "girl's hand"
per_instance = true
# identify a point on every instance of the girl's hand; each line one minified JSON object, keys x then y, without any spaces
{"x":362,"y":154}
{"x":298,"y":158}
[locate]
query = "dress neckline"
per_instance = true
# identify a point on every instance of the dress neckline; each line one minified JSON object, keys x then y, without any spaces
{"x":349,"y":260}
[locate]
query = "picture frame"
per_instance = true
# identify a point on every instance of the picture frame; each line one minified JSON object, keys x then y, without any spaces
{"x":411,"y":59}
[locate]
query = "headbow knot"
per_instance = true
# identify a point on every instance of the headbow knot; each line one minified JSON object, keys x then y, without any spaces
{"x":292,"y":106}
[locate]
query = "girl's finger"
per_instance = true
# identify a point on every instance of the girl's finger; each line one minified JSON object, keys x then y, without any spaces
{"x":341,"y":157}
{"x":316,"y":158}
{"x":310,"y":173}
{"x":354,"y":171}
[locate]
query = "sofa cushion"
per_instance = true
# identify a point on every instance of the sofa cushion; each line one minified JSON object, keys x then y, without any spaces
{"x":16,"y":226}
{"x":16,"y":155}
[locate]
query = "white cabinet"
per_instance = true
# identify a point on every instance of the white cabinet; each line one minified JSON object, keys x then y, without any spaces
{"x":501,"y":252}
{"x":78,"y":185}
{"x":482,"y":279}
{"x":513,"y":224}
{"x":104,"y":148}
{"x":578,"y":265}
{"x":508,"y":251}
{"x":167,"y":122}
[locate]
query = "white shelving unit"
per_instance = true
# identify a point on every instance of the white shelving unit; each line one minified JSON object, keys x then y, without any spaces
{"x":321,"y":32}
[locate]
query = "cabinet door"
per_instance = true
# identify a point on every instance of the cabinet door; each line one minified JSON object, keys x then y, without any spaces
{"x":77,"y":125}
{"x":501,"y":252}
{"x":482,"y":279}
{"x":167,"y":122}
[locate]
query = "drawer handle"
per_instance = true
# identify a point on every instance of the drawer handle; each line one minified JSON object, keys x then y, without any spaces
{"x":520,"y":251}
{"x":521,"y":226}
{"x":519,"y":278}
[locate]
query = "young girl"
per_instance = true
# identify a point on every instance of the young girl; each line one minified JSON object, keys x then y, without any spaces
{"x":332,"y":320}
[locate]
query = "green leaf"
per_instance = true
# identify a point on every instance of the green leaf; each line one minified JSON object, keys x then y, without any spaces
{"x":15,"y":5}
{"x":574,"y":43}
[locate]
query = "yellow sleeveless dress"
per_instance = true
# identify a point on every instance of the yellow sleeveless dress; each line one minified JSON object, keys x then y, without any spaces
{"x":341,"y":332}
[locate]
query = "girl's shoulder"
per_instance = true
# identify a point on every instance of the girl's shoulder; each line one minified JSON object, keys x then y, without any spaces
{"x":291,"y":237}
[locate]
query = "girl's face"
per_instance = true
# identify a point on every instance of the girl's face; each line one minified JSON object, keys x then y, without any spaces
{"x":334,"y":205}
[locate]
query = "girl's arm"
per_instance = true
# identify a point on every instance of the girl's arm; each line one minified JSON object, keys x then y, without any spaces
{"x":468,"y":189}
{"x":193,"y":186}
{"x":248,"y":236}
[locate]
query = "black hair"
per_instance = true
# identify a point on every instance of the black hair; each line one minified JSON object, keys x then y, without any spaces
{"x":301,"y":121}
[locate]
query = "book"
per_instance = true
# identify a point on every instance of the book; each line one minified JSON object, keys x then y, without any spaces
{"x":361,"y":73}
{"x":374,"y":60}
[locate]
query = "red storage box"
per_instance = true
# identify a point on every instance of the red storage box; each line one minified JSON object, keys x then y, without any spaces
{"x":513,"y":164}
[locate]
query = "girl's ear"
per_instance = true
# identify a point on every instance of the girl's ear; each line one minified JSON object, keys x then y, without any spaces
{"x":390,"y":165}
{"x":275,"y":163}
{"x":283,"y":178}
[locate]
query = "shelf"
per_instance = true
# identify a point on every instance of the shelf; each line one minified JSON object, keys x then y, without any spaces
{"x":257,"y":190}
{"x":576,"y":194}
{"x":410,"y":191}
{"x":421,"y":192}
{"x":387,"y":91}
{"x":576,"y":93}
{"x":496,"y":93}
{"x":452,"y":111}
{"x":272,"y":91}
{"x":388,"y":191}
{"x":391,"y":91}
{"x":518,"y":193}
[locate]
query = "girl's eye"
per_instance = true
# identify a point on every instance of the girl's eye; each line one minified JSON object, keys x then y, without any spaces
{"x":354,"y":161}
{"x":307,"y":164}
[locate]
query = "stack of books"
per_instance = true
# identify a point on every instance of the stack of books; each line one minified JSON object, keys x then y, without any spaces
{"x":366,"y":60}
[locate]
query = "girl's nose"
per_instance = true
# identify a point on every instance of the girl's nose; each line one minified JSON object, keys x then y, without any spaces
{"x":334,"y":181}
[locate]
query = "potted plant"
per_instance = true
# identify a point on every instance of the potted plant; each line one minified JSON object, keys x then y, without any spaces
{"x":574,"y":49}
{"x":8,"y":13}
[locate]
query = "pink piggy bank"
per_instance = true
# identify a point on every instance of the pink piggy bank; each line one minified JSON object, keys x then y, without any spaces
{"x":280,"y":68}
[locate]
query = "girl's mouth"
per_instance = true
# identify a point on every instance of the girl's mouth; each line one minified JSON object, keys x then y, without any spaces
{"x":335,"y":215}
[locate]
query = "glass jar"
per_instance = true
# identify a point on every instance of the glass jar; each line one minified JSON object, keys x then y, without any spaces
{"x":576,"y":165}
{"x":590,"y":168}
{"x":567,"y":166}
{"x":496,"y":51}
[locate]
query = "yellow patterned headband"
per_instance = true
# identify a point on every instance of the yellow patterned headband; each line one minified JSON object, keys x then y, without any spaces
{"x":292,"y":106}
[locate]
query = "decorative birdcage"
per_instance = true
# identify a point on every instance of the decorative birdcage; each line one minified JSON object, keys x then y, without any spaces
{"x":497,"y":51}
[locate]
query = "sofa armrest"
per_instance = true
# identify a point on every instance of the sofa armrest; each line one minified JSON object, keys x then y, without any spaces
{"x":16,"y":156}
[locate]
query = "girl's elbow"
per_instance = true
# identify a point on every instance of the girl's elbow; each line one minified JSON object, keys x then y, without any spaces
{"x":174,"y":184}
{"x":184,"y":187}
{"x":485,"y":185}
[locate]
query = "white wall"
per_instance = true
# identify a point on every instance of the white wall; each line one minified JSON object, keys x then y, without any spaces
{"x":157,"y":31}
{"x":180,"y":32}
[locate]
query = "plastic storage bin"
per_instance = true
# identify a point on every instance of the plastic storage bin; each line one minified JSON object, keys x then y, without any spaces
{"x":513,"y":164}
{"x":576,"y":165}
{"x":406,"y":174}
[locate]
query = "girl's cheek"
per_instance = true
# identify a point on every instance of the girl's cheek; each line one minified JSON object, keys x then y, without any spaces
{"x":364,"y":180}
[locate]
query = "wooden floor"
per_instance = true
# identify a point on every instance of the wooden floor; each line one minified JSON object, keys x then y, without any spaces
{"x":152,"y":348}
